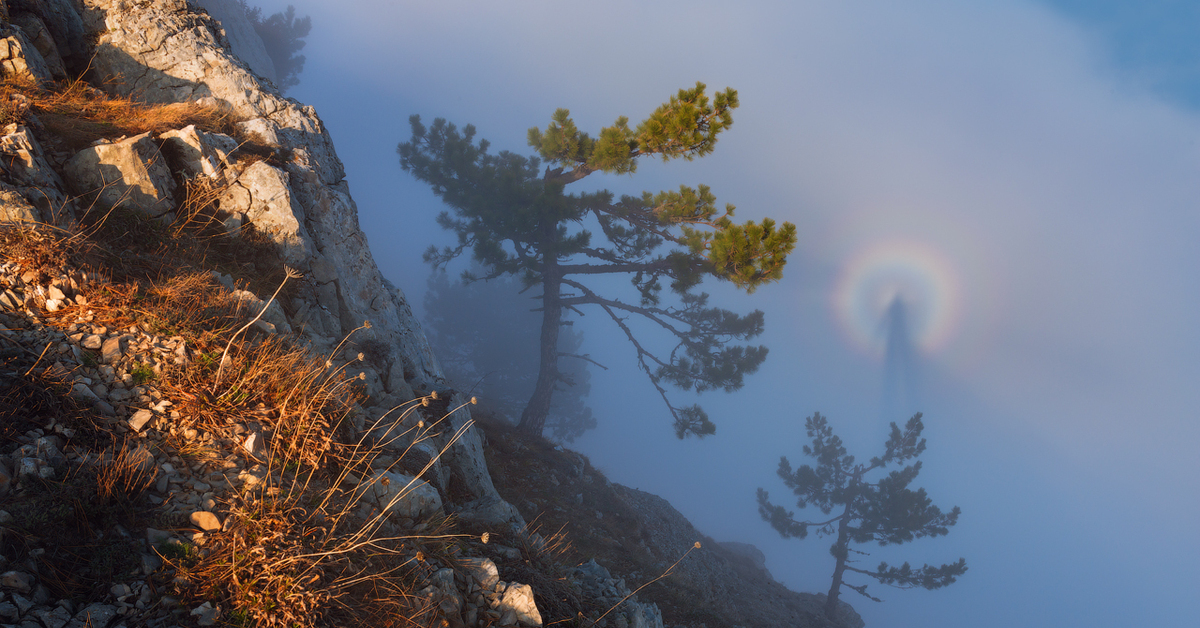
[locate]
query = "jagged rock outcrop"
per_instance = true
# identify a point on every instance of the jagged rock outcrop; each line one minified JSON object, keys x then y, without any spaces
{"x":169,"y":51}
{"x":242,"y":39}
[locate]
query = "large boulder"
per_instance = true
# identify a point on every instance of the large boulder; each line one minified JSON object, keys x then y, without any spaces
{"x":129,"y":173}
{"x":262,"y":194}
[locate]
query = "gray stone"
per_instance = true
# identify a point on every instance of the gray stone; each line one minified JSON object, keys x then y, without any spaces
{"x":206,"y":521}
{"x":483,"y":570}
{"x":263,"y":195}
{"x":40,"y":37}
{"x":402,"y":495}
{"x":20,"y":58}
{"x":518,"y":598}
{"x":129,"y":173}
{"x":14,"y":208}
{"x":255,"y":445}
{"x":56,"y":617}
{"x":92,"y":341}
{"x":252,"y":476}
{"x":8,"y":612}
{"x":140,"y":419}
{"x":23,"y":603}
{"x":242,"y":37}
{"x":83,"y":393}
{"x":17,"y":580}
{"x":111,"y":349}
{"x":156,"y":538}
{"x":273,"y":312}
{"x":206,"y":614}
{"x":36,"y":180}
{"x":261,"y":130}
{"x":169,"y":54}
{"x":94,"y":616}
{"x":196,"y":152}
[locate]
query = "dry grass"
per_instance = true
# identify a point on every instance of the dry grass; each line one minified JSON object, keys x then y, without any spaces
{"x":81,"y":114}
{"x":124,"y":473}
{"x":309,"y":546}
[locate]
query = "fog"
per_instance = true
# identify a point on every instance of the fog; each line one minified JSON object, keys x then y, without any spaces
{"x":1023,"y":175}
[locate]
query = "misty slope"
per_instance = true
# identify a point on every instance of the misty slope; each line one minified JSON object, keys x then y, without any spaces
{"x":638,"y":536}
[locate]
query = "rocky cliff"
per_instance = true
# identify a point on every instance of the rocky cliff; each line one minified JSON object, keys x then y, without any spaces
{"x":216,"y":408}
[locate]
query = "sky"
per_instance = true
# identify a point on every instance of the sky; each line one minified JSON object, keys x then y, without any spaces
{"x":1023,"y":172}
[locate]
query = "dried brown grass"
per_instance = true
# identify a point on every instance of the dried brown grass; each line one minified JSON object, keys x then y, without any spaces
{"x":307,"y":547}
{"x":80,"y":114}
{"x":124,"y":474}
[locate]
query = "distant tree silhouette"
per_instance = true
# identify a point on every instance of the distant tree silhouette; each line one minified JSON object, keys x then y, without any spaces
{"x":283,"y":36}
{"x":486,"y":335}
{"x":883,"y":511}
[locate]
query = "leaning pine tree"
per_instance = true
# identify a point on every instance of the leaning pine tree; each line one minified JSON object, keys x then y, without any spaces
{"x":882,"y":510}
{"x":517,"y":219}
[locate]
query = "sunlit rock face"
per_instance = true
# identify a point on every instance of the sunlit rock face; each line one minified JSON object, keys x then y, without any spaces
{"x":244,"y":42}
{"x":289,"y":186}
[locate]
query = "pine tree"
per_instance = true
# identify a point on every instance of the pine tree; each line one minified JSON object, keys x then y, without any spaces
{"x":485,"y":335}
{"x":517,"y":219}
{"x":884,"y":511}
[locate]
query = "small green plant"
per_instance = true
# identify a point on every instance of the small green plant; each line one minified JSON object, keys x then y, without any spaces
{"x":142,"y":373}
{"x":89,"y":359}
{"x":179,"y":551}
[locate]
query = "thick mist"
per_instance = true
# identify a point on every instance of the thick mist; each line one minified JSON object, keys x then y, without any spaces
{"x":1022,"y":179}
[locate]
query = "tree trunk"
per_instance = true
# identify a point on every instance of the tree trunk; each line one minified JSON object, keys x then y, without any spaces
{"x":841,"y":551}
{"x":533,"y":418}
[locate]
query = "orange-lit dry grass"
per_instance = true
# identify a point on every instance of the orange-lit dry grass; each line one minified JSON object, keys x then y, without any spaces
{"x":80,"y":114}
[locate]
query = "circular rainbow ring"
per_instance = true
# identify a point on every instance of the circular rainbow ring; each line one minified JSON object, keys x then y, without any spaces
{"x":915,"y":272}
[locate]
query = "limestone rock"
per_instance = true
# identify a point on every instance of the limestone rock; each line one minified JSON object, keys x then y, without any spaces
{"x":518,"y":598}
{"x":37,"y":33}
{"x":168,"y":52}
{"x":17,"y":580}
{"x":140,"y":419}
{"x":20,"y":58}
{"x":94,"y":616}
{"x":130,"y":173}
{"x":196,"y":152}
{"x":402,"y":495}
{"x":263,"y":195}
{"x":483,"y":570}
{"x":261,"y":130}
{"x":24,"y":159}
{"x":64,"y":25}
{"x":205,"y":520}
{"x":14,"y":207}
{"x":206,"y":614}
{"x":240,"y":34}
{"x":469,"y":469}
{"x":273,"y":313}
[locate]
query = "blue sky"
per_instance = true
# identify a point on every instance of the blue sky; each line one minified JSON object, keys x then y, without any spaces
{"x":1035,"y":164}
